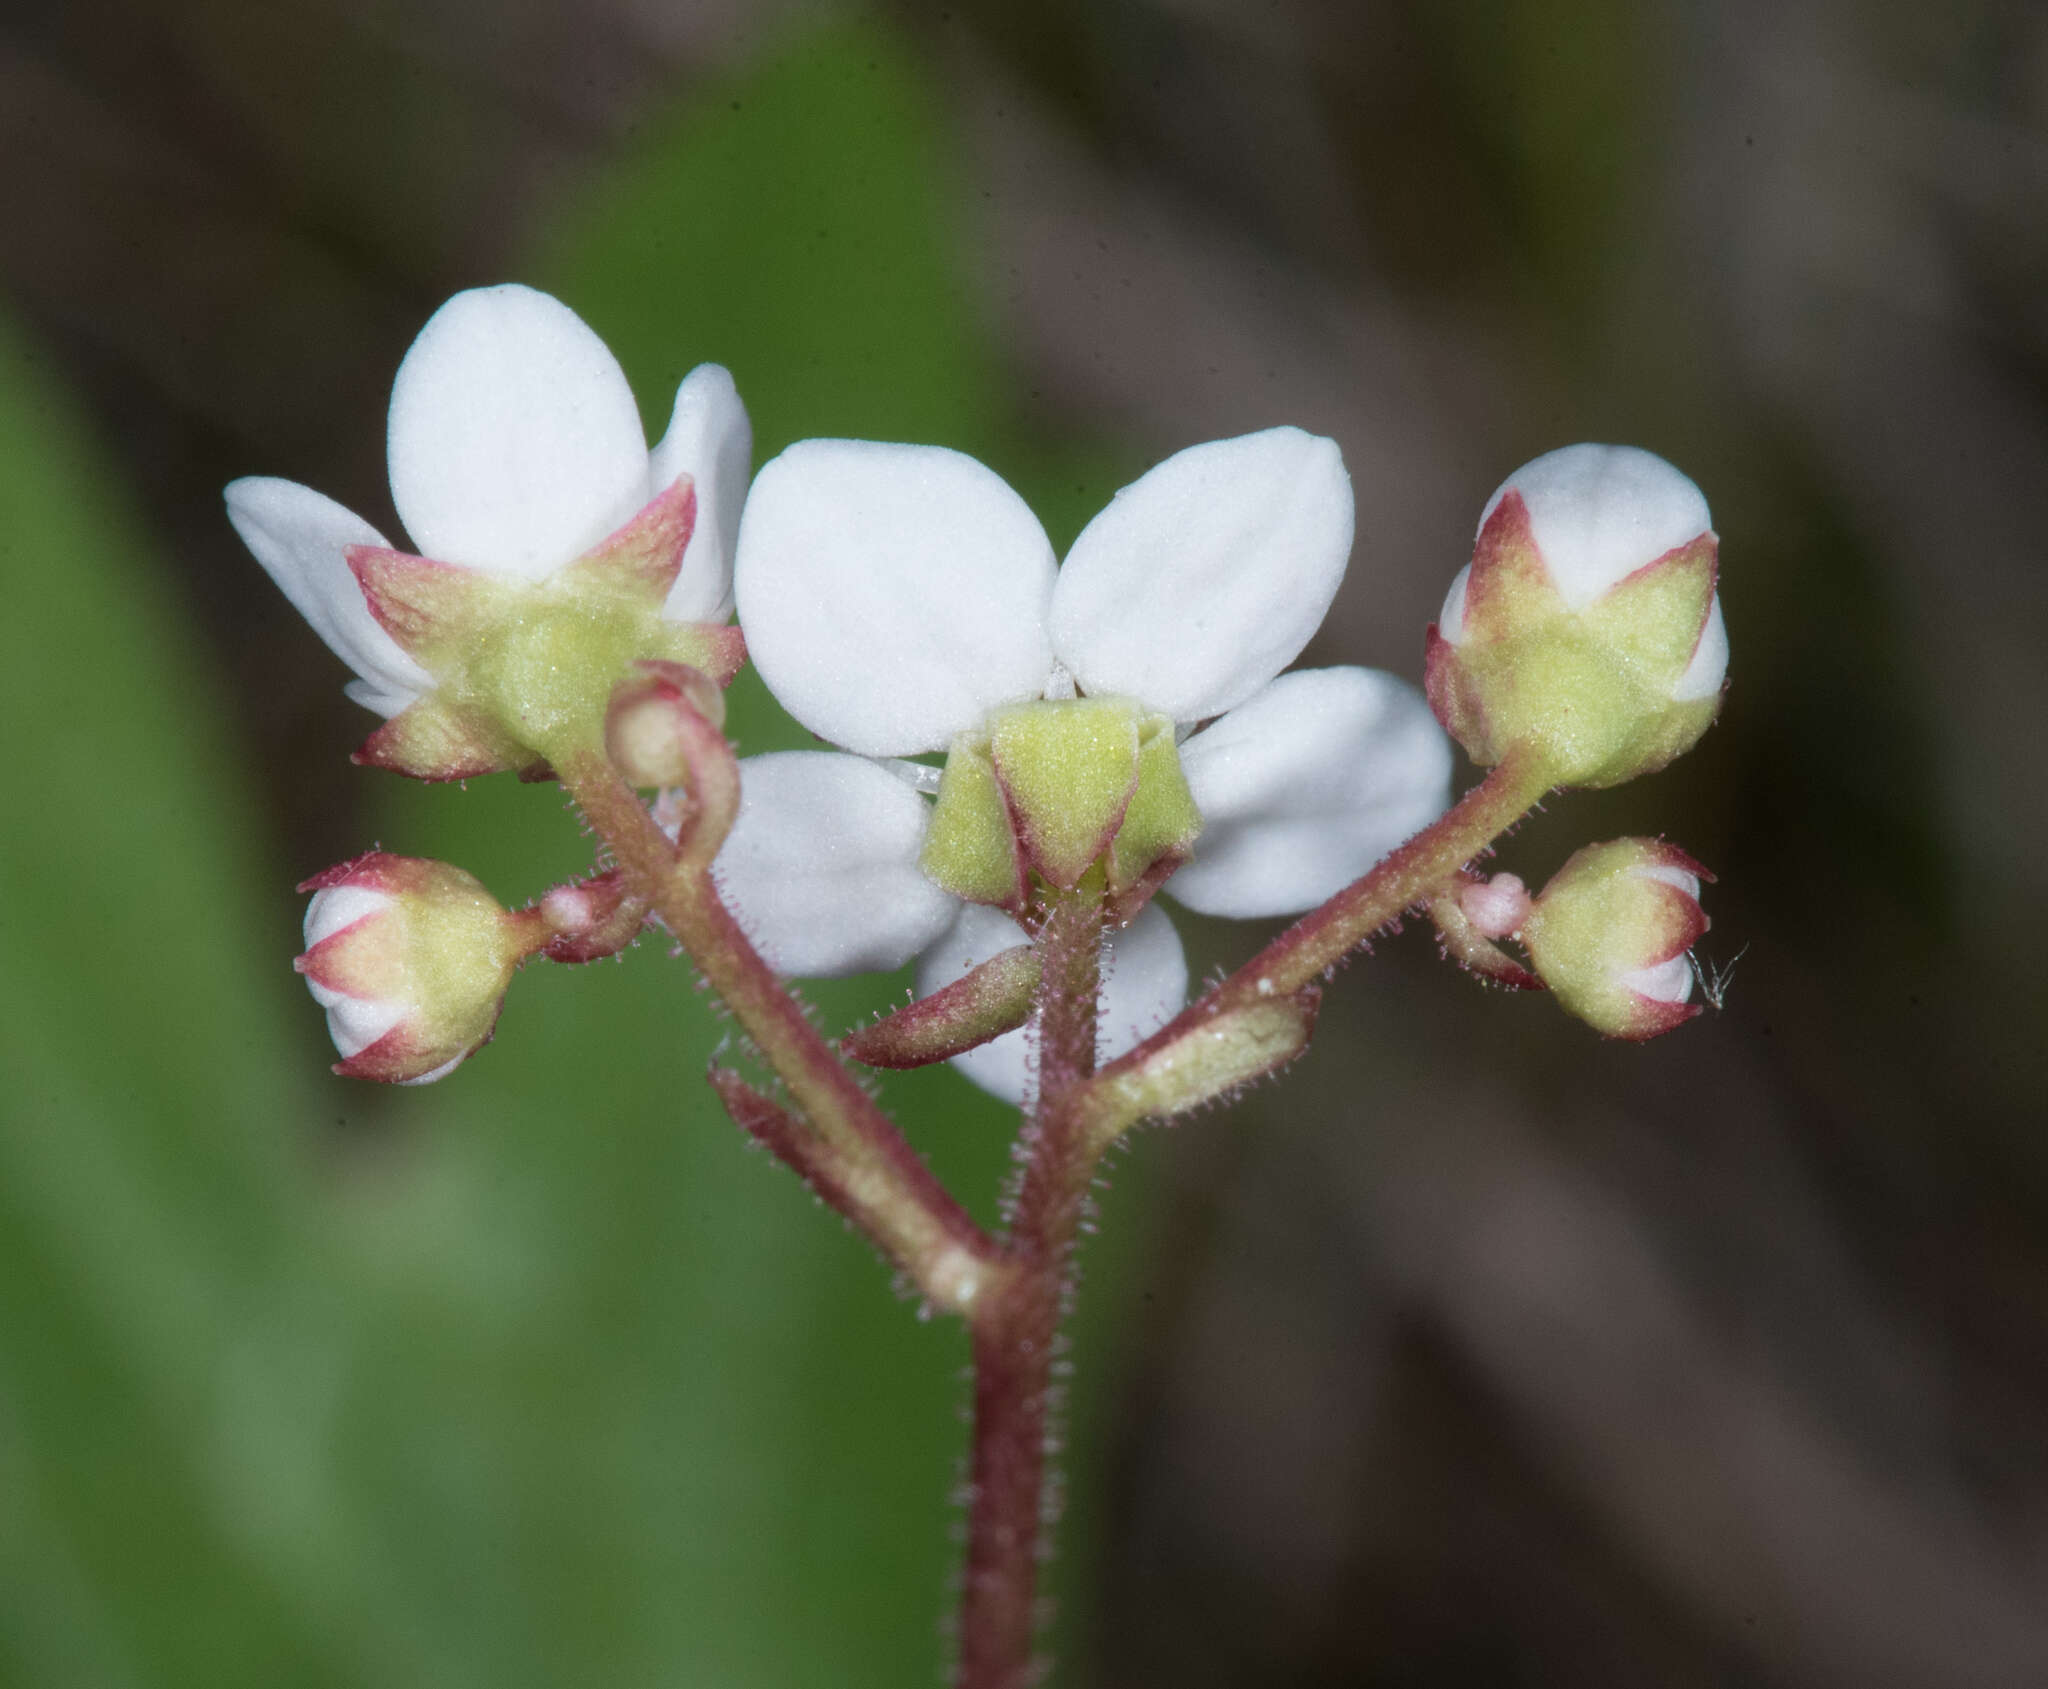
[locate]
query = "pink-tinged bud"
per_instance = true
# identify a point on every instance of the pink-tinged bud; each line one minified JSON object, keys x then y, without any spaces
{"x":588,"y":920}
{"x":1610,"y":933}
{"x":1588,"y":623}
{"x":656,"y":720}
{"x":410,"y":959}
{"x":1495,"y":907}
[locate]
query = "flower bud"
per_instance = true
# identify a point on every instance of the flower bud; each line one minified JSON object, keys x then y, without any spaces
{"x":410,"y":959}
{"x":650,"y":731}
{"x":1587,"y":625}
{"x":1609,"y":936}
{"x":1496,"y":907}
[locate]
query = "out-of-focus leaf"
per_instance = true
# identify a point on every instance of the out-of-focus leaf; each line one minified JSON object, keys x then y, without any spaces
{"x":146,"y":1121}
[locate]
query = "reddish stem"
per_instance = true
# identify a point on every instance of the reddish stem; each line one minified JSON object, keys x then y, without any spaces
{"x":896,"y":1198}
{"x":1321,"y":939}
{"x":1015,"y":1330}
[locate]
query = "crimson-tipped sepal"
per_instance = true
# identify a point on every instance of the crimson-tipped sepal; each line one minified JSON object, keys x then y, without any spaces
{"x":1587,"y":628}
{"x":644,"y":557}
{"x":1611,"y":933}
{"x":435,"y":738}
{"x":432,"y":609}
{"x":410,"y":959}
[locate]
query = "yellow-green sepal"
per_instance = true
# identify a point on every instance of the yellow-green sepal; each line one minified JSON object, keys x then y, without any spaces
{"x":1161,"y":822}
{"x":1068,"y":769}
{"x":971,"y":848}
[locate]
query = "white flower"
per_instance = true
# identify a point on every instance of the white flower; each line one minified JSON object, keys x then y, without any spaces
{"x":892,"y":596}
{"x":515,"y":447}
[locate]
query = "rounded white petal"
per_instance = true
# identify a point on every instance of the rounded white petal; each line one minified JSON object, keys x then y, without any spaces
{"x":1685,"y":882}
{"x":1666,"y":982}
{"x":1599,"y":513}
{"x":1307,"y":786}
{"x":1709,"y":665}
{"x":821,"y":865}
{"x":709,"y":439}
{"x":434,"y":1074}
{"x":355,"y":1023}
{"x":1450,"y":621}
{"x":1147,"y":983}
{"x":891,"y":595}
{"x":336,"y":907}
{"x":1145,"y":987}
{"x":1206,"y":576}
{"x":301,"y":538}
{"x":515,"y":443}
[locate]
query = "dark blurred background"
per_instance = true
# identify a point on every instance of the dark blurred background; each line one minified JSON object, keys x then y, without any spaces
{"x":1478,"y":1351}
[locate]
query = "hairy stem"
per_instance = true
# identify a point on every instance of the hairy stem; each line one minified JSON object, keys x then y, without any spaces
{"x":1015,"y":1330}
{"x":1326,"y":936}
{"x":879,"y":1180}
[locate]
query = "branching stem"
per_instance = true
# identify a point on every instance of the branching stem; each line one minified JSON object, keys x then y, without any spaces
{"x":881,"y":1183}
{"x":1013,"y":1293}
{"x":1324,"y":937}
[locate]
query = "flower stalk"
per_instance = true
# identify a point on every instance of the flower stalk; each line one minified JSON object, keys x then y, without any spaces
{"x":1015,"y":1330}
{"x":883,"y":1185}
{"x":1301,"y":956}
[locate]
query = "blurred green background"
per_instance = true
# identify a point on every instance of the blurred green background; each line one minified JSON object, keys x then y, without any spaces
{"x":1478,"y":1351}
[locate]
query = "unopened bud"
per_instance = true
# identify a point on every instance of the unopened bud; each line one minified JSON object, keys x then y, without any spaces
{"x":1495,"y":907}
{"x":648,"y":730}
{"x":1209,"y":1061}
{"x":1587,"y":626}
{"x":410,"y":959}
{"x":1610,"y":934}
{"x":984,"y":1003}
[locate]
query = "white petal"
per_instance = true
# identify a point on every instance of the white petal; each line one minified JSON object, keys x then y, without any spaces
{"x":434,"y":1074}
{"x":1450,"y":621}
{"x":301,"y":537}
{"x":1206,"y":576}
{"x":1666,"y":982}
{"x":1709,"y":665}
{"x":1685,"y":882}
{"x":821,"y":866}
{"x":1599,"y":513}
{"x":710,"y":439}
{"x":891,"y":595}
{"x":1146,"y":986}
{"x":515,"y":443}
{"x":355,"y":1023}
{"x":336,"y":907}
{"x":1307,"y":786}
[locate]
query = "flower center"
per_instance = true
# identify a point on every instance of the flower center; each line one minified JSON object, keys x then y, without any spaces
{"x":1042,"y":791}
